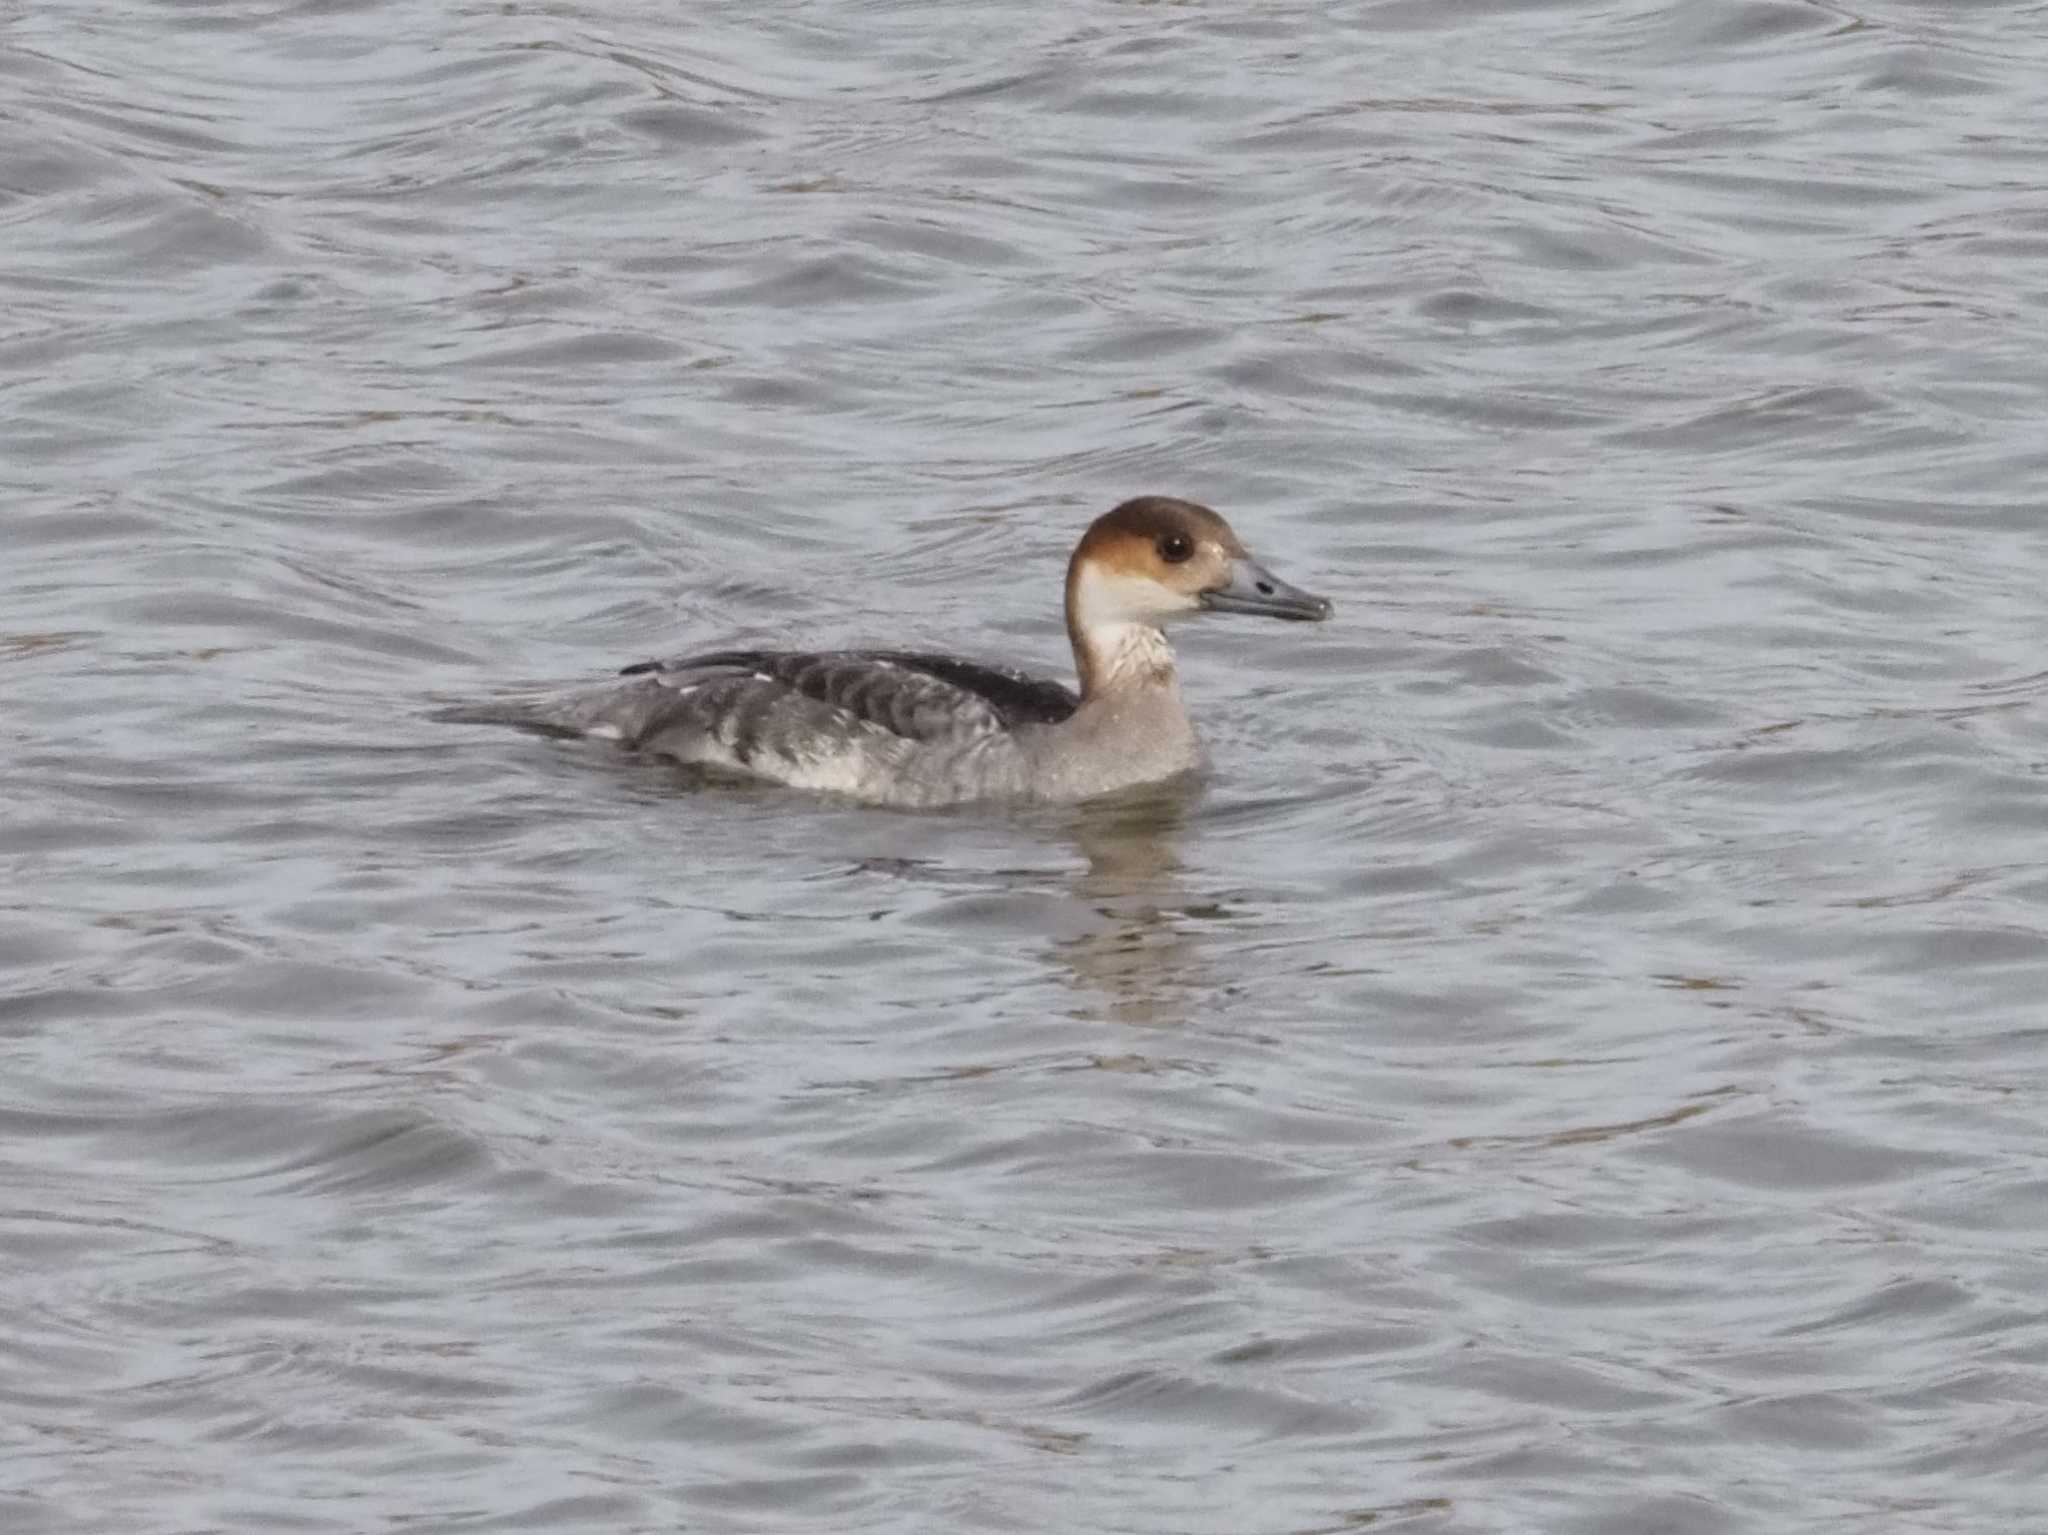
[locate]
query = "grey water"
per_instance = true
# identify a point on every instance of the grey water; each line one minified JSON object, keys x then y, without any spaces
{"x":1575,"y":1062}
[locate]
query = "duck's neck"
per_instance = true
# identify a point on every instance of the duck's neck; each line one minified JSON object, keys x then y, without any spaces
{"x":1122,"y":660}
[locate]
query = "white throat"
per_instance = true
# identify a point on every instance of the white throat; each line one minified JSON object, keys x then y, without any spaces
{"x":1105,"y":598}
{"x":1115,"y":621}
{"x":1129,"y":655}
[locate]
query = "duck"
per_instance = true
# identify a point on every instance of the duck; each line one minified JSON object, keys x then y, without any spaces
{"x":916,"y":729}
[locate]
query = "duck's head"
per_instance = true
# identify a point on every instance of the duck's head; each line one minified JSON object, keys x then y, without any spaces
{"x":1155,"y":558}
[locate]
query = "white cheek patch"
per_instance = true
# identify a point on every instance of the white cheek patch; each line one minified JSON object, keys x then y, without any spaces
{"x":1103,"y":598}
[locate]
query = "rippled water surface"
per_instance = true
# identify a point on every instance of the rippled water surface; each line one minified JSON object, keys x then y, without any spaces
{"x":1574,"y":1066}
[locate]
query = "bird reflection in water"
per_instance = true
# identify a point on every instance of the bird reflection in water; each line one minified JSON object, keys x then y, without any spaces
{"x":1136,"y":949}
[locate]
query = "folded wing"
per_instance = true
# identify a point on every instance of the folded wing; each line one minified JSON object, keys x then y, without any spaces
{"x":776,"y":699}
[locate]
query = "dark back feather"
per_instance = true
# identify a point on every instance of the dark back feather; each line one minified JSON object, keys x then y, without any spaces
{"x":1017,"y":698}
{"x":950,"y":695}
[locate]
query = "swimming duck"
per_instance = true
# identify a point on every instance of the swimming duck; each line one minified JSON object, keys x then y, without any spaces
{"x":908,"y":728}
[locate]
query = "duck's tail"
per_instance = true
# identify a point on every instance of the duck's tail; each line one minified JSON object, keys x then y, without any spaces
{"x":618,"y":711}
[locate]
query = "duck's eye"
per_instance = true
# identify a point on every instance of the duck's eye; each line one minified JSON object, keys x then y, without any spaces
{"x":1176,"y":547}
